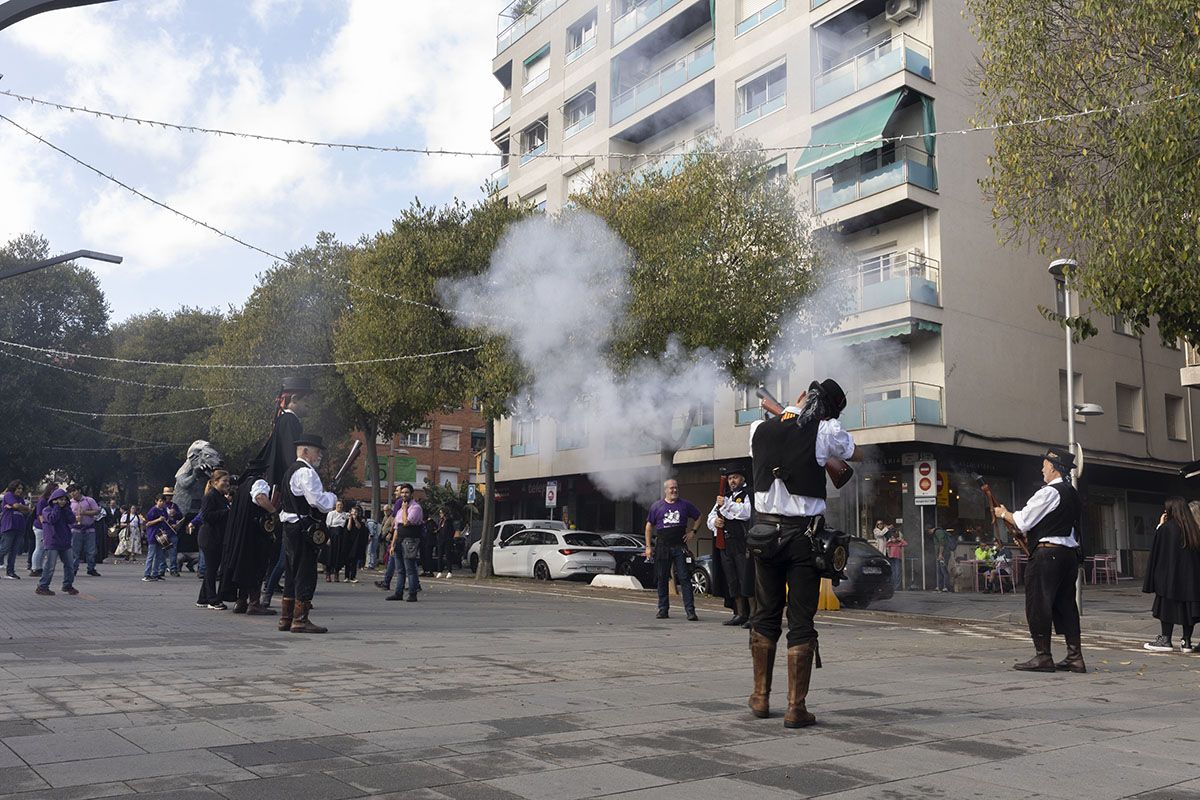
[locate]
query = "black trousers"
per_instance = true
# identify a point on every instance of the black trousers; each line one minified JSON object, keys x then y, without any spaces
{"x":445,"y":554}
{"x":300,"y":563}
{"x":735,"y":565}
{"x":333,"y":550}
{"x":790,"y":578}
{"x":1050,"y":591}
{"x":212,"y":568}
{"x":353,"y":542}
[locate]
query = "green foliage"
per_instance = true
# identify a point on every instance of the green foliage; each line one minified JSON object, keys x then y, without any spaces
{"x":715,"y":239}
{"x":452,"y":499}
{"x":58,"y":307}
{"x":1116,"y":191}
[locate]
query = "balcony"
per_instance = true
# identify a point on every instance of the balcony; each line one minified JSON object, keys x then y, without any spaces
{"x":769,"y":106}
{"x":523,"y":449}
{"x":859,"y":179}
{"x":510,"y":32}
{"x":699,"y":436}
{"x":906,"y":277}
{"x":499,"y":180}
{"x":575,"y":54}
{"x":530,"y":155}
{"x":897,"y":404}
{"x":502,"y":111}
{"x":639,"y":17}
{"x":744,"y":416}
{"x":581,"y":124}
{"x":762,"y":15}
{"x":663,"y":82}
{"x":898,"y":54}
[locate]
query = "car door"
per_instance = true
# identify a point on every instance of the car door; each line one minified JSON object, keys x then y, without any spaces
{"x":504,"y":559}
{"x":535,"y":544}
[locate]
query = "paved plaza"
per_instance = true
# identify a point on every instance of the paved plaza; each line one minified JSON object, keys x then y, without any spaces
{"x":518,"y":690}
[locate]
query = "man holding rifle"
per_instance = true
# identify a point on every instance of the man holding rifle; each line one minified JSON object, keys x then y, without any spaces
{"x":728,"y":520}
{"x":303,"y":493}
{"x":1051,"y":521}
{"x":791,"y":453}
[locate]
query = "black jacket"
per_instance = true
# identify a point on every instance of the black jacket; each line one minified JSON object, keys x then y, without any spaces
{"x":214,"y":508}
{"x":1173,"y":571}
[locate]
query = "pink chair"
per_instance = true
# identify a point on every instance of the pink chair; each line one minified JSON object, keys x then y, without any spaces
{"x":1003,"y":574}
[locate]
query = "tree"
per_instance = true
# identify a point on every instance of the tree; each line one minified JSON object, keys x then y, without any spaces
{"x":61,"y":307}
{"x":1118,"y":190}
{"x":732,"y":248}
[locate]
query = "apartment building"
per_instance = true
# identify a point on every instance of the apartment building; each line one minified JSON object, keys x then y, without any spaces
{"x":945,"y":355}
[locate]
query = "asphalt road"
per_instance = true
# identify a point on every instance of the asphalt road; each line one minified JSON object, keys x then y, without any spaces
{"x":521,"y":690}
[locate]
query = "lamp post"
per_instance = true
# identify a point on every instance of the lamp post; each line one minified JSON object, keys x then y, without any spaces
{"x":14,"y":11}
{"x":50,"y":262}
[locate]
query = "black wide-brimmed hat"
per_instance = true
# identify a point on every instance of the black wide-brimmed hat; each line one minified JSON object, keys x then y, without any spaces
{"x":1062,"y":458}
{"x":311,"y":440}
{"x":296,"y":385}
{"x":833,"y":394}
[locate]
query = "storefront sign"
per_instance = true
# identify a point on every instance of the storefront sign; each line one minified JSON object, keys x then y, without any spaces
{"x":551,"y":494}
{"x":943,"y":489}
{"x":925,"y":482}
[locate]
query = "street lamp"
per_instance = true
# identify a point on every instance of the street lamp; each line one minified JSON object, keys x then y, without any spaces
{"x":14,"y":11}
{"x":50,"y":262}
{"x":1061,"y":269}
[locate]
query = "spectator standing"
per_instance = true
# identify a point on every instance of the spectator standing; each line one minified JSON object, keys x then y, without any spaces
{"x":174,"y":520}
{"x":130,"y":533}
{"x":943,"y":554}
{"x":1173,"y":576}
{"x":335,"y":526}
{"x":406,"y":544}
{"x":157,"y":541}
{"x":428,"y":548}
{"x":214,"y":510}
{"x":670,"y":528}
{"x":83,"y":531}
{"x":895,"y":552}
{"x":35,"y":560}
{"x":56,"y":532}
{"x":445,"y":544}
{"x":880,"y":535}
{"x":12,"y":527}
{"x":372,"y":527}
{"x":353,"y":543}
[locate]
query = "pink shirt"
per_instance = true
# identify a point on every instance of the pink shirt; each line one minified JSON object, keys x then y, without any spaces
{"x":895,"y":548}
{"x":84,"y":503}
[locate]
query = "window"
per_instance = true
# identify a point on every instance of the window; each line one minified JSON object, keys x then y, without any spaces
{"x":537,"y":69}
{"x":533,"y":140}
{"x":1129,"y":408}
{"x":748,"y":408}
{"x":1062,"y":394}
{"x":537,"y":200}
{"x":1060,"y":300}
{"x":1123,"y":326}
{"x":753,"y":13}
{"x":776,"y":169}
{"x":524,"y":437}
{"x":579,"y":112}
{"x":761,"y":94}
{"x":450,"y":438}
{"x":571,"y":433}
{"x":422,"y":476}
{"x":580,"y":181}
{"x":1176,"y":421}
{"x":478,"y":439}
{"x":448,"y":475}
{"x":581,"y":37}
{"x":417,"y":438}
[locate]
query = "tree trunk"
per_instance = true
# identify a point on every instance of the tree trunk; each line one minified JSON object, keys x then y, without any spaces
{"x":489,"y":502}
{"x":371,"y":434}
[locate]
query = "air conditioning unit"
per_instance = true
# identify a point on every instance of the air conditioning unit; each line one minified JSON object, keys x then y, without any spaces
{"x":897,"y":10}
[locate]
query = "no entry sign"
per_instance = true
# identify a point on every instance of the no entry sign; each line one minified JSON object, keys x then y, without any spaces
{"x":925,"y":482}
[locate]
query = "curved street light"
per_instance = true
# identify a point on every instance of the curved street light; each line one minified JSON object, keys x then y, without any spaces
{"x":14,"y":11}
{"x":65,"y":257}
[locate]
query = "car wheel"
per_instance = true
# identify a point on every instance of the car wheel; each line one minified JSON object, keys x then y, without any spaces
{"x":624,"y":568}
{"x":474,"y":563}
{"x":541,"y":572}
{"x":700,"y":582}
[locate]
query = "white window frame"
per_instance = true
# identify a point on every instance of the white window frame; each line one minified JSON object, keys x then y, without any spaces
{"x":416,"y":438}
{"x":536,"y":73}
{"x":771,"y":93}
{"x":456,"y":433}
{"x":581,"y":37}
{"x":1136,"y":410}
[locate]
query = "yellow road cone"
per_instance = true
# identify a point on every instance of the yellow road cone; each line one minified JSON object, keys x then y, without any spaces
{"x":827,"y":601}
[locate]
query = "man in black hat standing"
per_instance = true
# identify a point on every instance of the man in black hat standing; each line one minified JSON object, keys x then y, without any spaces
{"x":1050,"y":521}
{"x":729,"y":520}
{"x":789,"y":453}
{"x":302,"y":494}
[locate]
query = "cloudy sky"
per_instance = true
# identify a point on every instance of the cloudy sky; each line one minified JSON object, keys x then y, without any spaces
{"x":385,"y":72}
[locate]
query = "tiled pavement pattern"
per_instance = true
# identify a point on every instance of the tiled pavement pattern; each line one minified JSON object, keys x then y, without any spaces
{"x":503,"y":692}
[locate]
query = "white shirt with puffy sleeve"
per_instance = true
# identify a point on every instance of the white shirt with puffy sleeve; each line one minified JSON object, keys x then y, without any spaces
{"x":832,"y":440}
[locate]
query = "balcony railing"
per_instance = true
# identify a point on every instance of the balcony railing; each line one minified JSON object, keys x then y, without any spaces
{"x":502,"y":111}
{"x":762,"y":109}
{"x":499,"y":179}
{"x":663,"y":82}
{"x":699,"y":436}
{"x":898,"y":54}
{"x":847,"y":184}
{"x":761,"y":16}
{"x":585,"y":46}
{"x":529,"y":155}
{"x":511,"y":31}
{"x":744,"y":416}
{"x":581,"y":124}
{"x":666,"y":164}
{"x":535,"y":81}
{"x":897,"y":404}
{"x":818,"y":3}
{"x":639,"y":17}
{"x":909,"y":276}
{"x":523,"y":449}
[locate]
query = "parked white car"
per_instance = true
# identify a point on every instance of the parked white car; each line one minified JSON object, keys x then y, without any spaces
{"x":506,"y":530}
{"x":552,"y":555}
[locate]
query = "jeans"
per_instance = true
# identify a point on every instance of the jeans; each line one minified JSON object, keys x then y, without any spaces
{"x":172,"y":555}
{"x":156,"y":560}
{"x":35,"y":559}
{"x":943,"y":576}
{"x":9,"y":541}
{"x":52,"y":556}
{"x":788,"y":578}
{"x":664,"y":559}
{"x":84,"y":543}
{"x":411,"y":572}
{"x":897,"y":571}
{"x":373,"y":550}
{"x":275,"y":574}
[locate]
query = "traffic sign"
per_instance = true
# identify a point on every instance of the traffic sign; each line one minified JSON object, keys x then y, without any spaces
{"x":925,"y":482}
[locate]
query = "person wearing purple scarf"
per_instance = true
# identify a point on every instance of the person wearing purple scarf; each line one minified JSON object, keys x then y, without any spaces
{"x":57,"y":520}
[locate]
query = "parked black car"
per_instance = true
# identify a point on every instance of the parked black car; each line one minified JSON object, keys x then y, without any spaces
{"x":631,"y":557}
{"x":868,"y":576}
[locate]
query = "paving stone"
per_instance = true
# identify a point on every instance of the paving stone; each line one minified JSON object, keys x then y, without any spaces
{"x":681,"y":766}
{"x":475,"y":791}
{"x":577,"y":782}
{"x":531,"y":726}
{"x":303,"y":787}
{"x":20,"y":779}
{"x":709,"y":789}
{"x":481,"y":766}
{"x":277,"y":752}
{"x":807,"y":781}
{"x":181,"y":736}
{"x":394,"y":777}
{"x":130,"y":768}
{"x":75,"y":746}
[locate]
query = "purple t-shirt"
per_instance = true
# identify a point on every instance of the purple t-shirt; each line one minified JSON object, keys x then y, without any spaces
{"x":10,"y":518}
{"x":153,"y":530}
{"x":670,"y":519}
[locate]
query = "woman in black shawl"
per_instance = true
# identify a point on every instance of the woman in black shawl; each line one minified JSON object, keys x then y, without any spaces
{"x":250,"y":547}
{"x":214,"y":509}
{"x":1173,"y":576}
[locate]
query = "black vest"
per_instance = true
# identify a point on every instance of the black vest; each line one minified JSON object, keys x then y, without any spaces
{"x":736,"y":528}
{"x":1062,"y":518}
{"x":291,"y":503}
{"x":781,"y":449}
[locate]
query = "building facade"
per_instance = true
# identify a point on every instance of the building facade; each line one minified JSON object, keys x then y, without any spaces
{"x":945,"y":354}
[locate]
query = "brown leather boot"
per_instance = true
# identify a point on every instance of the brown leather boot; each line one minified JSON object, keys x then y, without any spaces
{"x":1042,"y":660}
{"x":287,"y":607}
{"x":1074,"y":660}
{"x":800,"y":666}
{"x":302,"y":624}
{"x":256,"y":608}
{"x":762,"y":655}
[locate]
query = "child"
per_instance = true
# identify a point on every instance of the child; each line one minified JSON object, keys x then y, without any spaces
{"x":57,"y":519}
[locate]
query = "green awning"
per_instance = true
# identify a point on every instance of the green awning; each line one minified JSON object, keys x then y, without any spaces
{"x":862,"y":125}
{"x":906,"y":328}
{"x":541,"y":51}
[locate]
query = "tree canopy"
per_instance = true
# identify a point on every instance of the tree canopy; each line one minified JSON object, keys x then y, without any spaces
{"x":1118,"y":190}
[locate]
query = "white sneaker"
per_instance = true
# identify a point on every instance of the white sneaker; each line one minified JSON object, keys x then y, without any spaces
{"x":449,"y":575}
{"x":1161,"y":644}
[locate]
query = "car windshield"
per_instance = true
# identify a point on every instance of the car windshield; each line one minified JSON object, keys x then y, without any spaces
{"x":584,"y":539}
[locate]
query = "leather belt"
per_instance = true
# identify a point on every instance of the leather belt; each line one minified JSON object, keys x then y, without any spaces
{"x":1049,"y":544}
{"x":779,"y":519}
